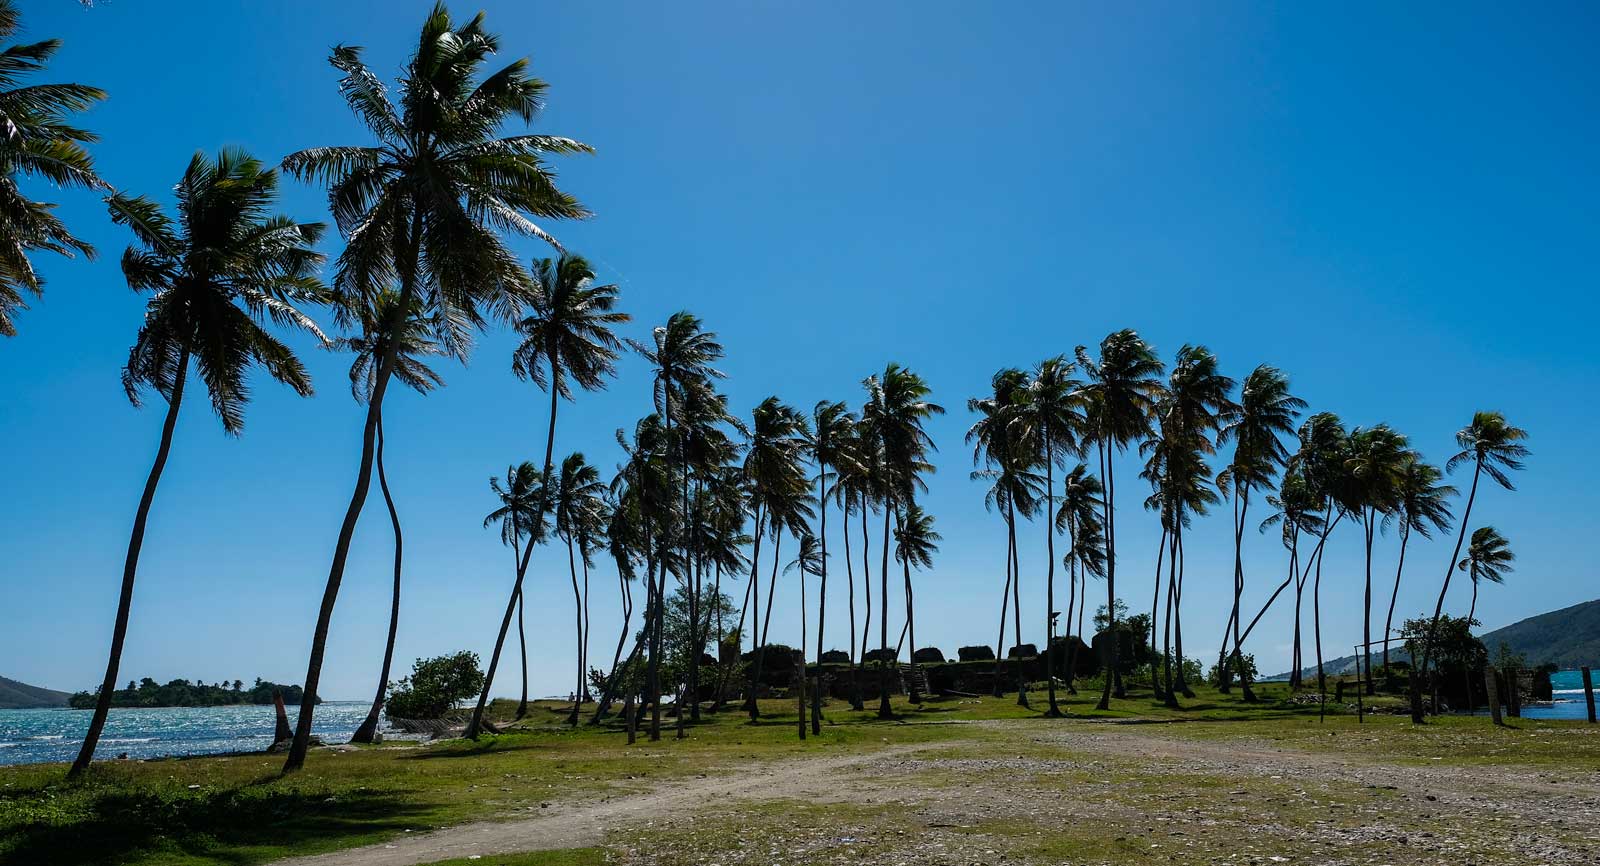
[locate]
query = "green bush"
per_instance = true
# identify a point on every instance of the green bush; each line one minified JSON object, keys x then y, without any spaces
{"x":435,"y":687}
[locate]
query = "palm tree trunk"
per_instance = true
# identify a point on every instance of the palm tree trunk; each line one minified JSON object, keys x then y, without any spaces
{"x":1169,"y":690}
{"x":606,"y":693}
{"x":1418,"y":671}
{"x":761,"y":650}
{"x":130,"y":568}
{"x":822,"y":600}
{"x":1473,"y":610}
{"x":1177,"y":620}
{"x":1366,"y":610}
{"x":1072,"y":604}
{"x":1316,"y":622}
{"x":1114,"y":657}
{"x":1238,"y":602}
{"x":341,"y":552}
{"x":1054,"y":709}
{"x":583,"y":563}
{"x":1005,"y":607}
{"x":697,"y":642}
{"x":884,"y":710}
{"x":1016,"y":609}
{"x":522,"y":656}
{"x":369,"y":727}
{"x":577,"y":613}
{"x":1388,"y":622}
{"x":1155,"y":610}
{"x":850,"y":579}
{"x":753,"y":596}
{"x":476,"y":723}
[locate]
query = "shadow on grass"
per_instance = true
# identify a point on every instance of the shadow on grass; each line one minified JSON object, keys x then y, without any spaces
{"x":232,"y":826}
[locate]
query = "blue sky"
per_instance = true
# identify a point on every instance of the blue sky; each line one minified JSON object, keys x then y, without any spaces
{"x":1393,"y":204}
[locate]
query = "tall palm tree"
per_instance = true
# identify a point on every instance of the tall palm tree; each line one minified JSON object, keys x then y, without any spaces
{"x":1294,"y":512}
{"x":410,"y":369}
{"x":426,"y":208}
{"x":893,"y":422}
{"x":1422,"y":506}
{"x":723,"y":549}
{"x":915,"y":543}
{"x":832,"y":427}
{"x":1266,"y":412}
{"x":807,"y":561}
{"x":704,"y":449}
{"x":1053,"y":415}
{"x":1002,"y":440}
{"x":1118,"y":400}
{"x":520,"y":516}
{"x":567,"y":339}
{"x":579,"y":499}
{"x":774,"y":472}
{"x":853,"y":474}
{"x":625,"y":545}
{"x":1493,"y":447}
{"x":1489,"y":557}
{"x":1078,"y":516}
{"x":216,"y":274}
{"x":38,"y":142}
{"x":1320,"y":460}
{"x":1376,"y":464}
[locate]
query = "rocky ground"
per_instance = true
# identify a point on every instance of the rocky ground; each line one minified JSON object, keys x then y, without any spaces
{"x":1046,"y":791}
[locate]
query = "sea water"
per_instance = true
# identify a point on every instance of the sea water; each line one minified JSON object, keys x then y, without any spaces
{"x":34,"y":736}
{"x":1567,"y":694}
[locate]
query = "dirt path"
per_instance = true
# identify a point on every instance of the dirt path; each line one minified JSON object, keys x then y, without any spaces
{"x":582,"y":824}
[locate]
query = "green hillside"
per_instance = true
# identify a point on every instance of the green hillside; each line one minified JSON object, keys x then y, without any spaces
{"x":21,"y":696}
{"x":1568,"y":638}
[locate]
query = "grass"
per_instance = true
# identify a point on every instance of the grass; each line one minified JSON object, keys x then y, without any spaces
{"x":238,"y":811}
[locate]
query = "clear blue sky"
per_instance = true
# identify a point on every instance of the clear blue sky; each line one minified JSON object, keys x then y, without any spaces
{"x":1394,"y":204}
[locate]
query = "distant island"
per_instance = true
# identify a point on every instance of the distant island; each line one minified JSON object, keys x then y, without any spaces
{"x":21,"y":696}
{"x":183,"y":693}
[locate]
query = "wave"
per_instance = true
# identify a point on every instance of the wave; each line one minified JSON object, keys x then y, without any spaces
{"x":47,"y":737}
{"x":131,"y":740}
{"x":9,"y":745}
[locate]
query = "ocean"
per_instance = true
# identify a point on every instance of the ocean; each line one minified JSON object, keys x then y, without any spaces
{"x":1568,"y":703}
{"x":36,"y":736}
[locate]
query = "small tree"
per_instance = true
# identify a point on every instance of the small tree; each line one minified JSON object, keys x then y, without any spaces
{"x":435,"y":686}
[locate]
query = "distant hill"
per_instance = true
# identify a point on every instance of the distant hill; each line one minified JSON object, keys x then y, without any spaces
{"x":21,"y":696}
{"x":1567,"y":638}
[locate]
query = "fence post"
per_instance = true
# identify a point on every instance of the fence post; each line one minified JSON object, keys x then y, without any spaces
{"x":1588,"y":692}
{"x":800,"y":682}
{"x":1492,"y":686}
{"x":1514,"y":693}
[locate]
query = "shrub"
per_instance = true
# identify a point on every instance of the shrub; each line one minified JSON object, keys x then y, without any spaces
{"x":435,"y":687}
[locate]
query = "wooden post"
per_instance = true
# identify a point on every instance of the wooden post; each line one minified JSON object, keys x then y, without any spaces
{"x":1492,"y":687}
{"x":1588,"y":692}
{"x":1514,"y":692}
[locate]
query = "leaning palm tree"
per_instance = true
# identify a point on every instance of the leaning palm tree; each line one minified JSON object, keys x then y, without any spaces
{"x":1294,"y":512}
{"x":520,"y":516}
{"x":216,"y":274}
{"x":1002,"y":441}
{"x":830,"y":445}
{"x":37,"y":141}
{"x":566,"y":340}
{"x":1489,"y":557}
{"x":1053,"y":417}
{"x":1320,"y":461}
{"x":1266,"y":412}
{"x":1494,"y":447}
{"x":579,"y":498}
{"x":426,"y":208}
{"x":1376,"y":464}
{"x":411,"y":370}
{"x":1078,"y":516}
{"x":1118,"y":400}
{"x":893,"y":422}
{"x":1423,"y":505}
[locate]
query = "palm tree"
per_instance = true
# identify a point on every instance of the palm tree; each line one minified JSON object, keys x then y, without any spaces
{"x":1078,"y":517}
{"x":38,"y":142}
{"x":1494,"y":447}
{"x":830,"y":441}
{"x":1001,"y":439}
{"x":1489,"y":557}
{"x":704,"y":449}
{"x":411,"y":370}
{"x":1266,"y":411}
{"x":520,"y":515}
{"x":774,"y":473}
{"x":579,"y":498}
{"x":897,"y":408}
{"x":915,"y":543}
{"x":625,"y":544}
{"x":426,"y":207}
{"x":1294,"y":511}
{"x":1053,"y":416}
{"x":853,"y":474}
{"x":1376,"y":464}
{"x":682,"y":353}
{"x":215,"y":275}
{"x":1422,"y":505}
{"x":1118,"y":400}
{"x":1321,"y":463}
{"x":566,"y":339}
{"x":808,"y":561}
{"x":723,"y":547}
